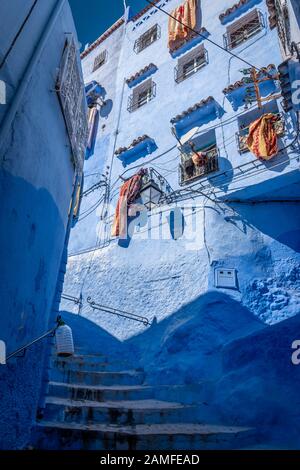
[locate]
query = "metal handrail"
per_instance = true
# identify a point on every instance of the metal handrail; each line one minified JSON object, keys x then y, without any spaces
{"x":45,"y":335}
{"x":76,"y":300}
{"x":119,"y":313}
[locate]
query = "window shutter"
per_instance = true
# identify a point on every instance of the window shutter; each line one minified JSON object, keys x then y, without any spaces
{"x":196,"y":52}
{"x":138,"y":90}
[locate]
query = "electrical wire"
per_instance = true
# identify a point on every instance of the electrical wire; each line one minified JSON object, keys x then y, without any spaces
{"x":226,"y":122}
{"x":91,"y":209}
{"x":236,"y":56}
{"x":27,"y":17}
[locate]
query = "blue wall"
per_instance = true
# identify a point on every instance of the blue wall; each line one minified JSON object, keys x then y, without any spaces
{"x":153,"y":274}
{"x":36,"y":185}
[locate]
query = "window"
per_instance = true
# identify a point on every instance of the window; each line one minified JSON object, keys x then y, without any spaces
{"x":283,"y":23}
{"x":190,"y":63}
{"x":243,"y":29}
{"x":141,"y":95}
{"x":198,"y":162}
{"x":71,"y":94}
{"x":100,"y":60}
{"x":144,"y":97}
{"x":146,"y":39}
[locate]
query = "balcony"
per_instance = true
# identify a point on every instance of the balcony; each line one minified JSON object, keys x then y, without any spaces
{"x":242,"y":136}
{"x":189,"y":172}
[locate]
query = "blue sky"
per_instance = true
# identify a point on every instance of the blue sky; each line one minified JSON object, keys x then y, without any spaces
{"x":93,"y":17}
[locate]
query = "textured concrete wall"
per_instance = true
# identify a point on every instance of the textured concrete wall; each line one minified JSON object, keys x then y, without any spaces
{"x":36,"y":183}
{"x":153,"y":274}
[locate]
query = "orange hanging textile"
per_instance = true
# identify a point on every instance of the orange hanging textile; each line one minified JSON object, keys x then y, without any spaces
{"x":185,"y":17}
{"x":128,"y":193}
{"x":262,"y":139}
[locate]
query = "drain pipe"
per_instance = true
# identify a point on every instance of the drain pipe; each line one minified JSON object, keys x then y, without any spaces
{"x":24,"y":82}
{"x":107,"y":202}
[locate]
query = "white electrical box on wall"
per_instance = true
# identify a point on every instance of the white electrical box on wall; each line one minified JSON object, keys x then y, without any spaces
{"x":226,"y":278}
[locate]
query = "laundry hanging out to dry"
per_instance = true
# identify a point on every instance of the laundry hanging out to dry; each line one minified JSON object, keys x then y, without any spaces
{"x":262,"y":139}
{"x":184,"y":18}
{"x":129,"y":192}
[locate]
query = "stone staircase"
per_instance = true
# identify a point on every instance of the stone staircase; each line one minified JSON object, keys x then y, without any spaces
{"x":94,"y":403}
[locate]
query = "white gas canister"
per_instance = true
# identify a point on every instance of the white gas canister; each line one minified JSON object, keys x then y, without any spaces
{"x":64,"y":341}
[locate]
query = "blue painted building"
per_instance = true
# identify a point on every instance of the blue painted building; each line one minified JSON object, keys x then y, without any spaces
{"x":195,"y":91}
{"x":39,"y":174}
{"x":230,"y":268}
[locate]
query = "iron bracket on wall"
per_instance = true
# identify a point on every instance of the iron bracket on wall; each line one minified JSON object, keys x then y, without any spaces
{"x":75,"y":300}
{"x":119,"y":313}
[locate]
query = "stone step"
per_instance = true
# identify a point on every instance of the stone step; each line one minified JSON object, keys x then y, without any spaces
{"x":81,"y":358}
{"x":65,"y":436}
{"x":82,"y":377}
{"x":120,"y":412}
{"x":187,"y":394}
{"x":80,"y":364}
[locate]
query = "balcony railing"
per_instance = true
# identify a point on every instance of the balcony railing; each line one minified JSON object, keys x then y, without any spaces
{"x":148,"y":38}
{"x":137,"y":101}
{"x":234,"y":39}
{"x":242,"y":136}
{"x":188,"y":171}
{"x":183,"y":72}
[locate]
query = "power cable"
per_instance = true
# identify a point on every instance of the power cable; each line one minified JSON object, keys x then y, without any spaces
{"x":204,"y":37}
{"x":18,"y":34}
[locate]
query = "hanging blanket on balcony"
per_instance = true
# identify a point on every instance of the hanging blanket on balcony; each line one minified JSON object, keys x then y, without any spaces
{"x":262,"y":139}
{"x":129,"y":192}
{"x":184,"y":17}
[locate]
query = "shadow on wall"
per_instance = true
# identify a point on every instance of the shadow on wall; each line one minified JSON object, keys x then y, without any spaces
{"x":186,"y":347}
{"x":259,"y":382}
{"x":216,"y":341}
{"x":279,"y":221}
{"x":106,"y":109}
{"x":31,"y":241}
{"x":89,"y":338}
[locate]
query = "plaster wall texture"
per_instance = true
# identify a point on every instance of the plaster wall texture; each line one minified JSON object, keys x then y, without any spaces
{"x":156,"y":276}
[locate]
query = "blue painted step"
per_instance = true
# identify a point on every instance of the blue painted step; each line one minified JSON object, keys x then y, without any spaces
{"x":189,"y":394}
{"x":98,"y":364}
{"x":119,"y":412}
{"x":95,"y":403}
{"x":66,"y":436}
{"x":132,"y":377}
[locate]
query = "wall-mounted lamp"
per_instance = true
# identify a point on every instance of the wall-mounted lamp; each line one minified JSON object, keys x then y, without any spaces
{"x":150,"y":194}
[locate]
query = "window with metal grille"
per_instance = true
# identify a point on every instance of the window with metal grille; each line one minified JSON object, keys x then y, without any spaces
{"x":190,"y":63}
{"x":242,"y":135}
{"x":141,"y":95}
{"x":146,"y":39}
{"x":243,"y":29}
{"x":99,"y":60}
{"x":206,"y":162}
